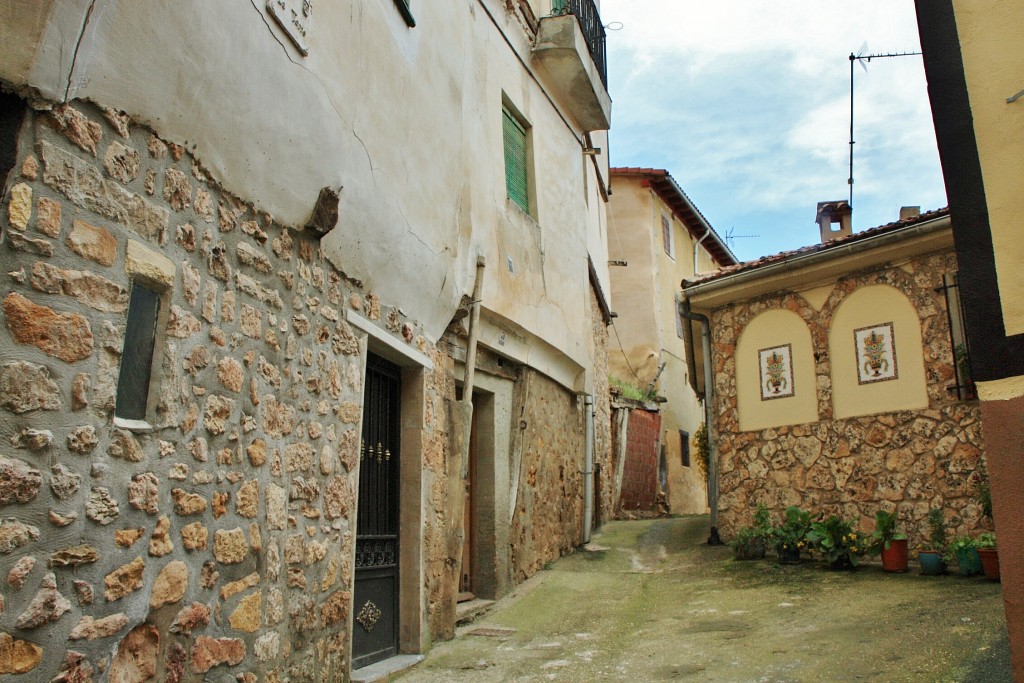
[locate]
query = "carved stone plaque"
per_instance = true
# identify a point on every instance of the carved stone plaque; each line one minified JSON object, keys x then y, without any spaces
{"x":294,"y":16}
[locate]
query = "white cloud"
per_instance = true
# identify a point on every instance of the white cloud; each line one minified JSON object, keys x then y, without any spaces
{"x":747,"y":103}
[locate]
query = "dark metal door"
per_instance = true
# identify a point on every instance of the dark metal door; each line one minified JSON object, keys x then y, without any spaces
{"x":375,"y":630}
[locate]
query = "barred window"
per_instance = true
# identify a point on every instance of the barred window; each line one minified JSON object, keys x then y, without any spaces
{"x":964,"y":387}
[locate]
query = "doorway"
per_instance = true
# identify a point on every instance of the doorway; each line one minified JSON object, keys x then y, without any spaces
{"x":376,"y":587}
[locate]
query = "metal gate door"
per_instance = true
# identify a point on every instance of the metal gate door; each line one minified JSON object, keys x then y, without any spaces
{"x":375,"y":631}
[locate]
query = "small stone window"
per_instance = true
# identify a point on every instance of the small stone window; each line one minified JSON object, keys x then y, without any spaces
{"x":133,"y":383}
{"x":684,"y":447}
{"x":152,"y":276}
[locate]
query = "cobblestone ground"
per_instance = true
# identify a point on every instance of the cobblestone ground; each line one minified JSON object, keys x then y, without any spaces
{"x":650,"y":602}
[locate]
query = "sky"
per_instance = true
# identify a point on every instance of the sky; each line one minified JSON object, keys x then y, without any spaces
{"x":747,"y":104}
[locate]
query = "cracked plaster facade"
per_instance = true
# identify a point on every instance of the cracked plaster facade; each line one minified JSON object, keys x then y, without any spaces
{"x":221,"y":542}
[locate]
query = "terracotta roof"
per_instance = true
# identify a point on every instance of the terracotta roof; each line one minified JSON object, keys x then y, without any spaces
{"x":814,"y":248}
{"x":662,"y":182}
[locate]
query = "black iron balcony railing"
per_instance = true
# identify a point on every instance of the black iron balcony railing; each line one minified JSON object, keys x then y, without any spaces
{"x":593,"y":30}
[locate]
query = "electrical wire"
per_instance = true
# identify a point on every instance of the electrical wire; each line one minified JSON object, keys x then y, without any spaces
{"x":623,"y":352}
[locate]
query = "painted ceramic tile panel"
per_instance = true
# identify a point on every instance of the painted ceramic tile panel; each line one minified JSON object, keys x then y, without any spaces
{"x":876,"y":353}
{"x":776,"y":372}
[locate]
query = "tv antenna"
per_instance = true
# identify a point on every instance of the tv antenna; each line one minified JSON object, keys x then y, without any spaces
{"x":731,"y":236}
{"x":861,"y":58}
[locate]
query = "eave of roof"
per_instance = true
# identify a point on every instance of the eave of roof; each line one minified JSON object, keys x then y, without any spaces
{"x":665,"y":186}
{"x":766,"y":261}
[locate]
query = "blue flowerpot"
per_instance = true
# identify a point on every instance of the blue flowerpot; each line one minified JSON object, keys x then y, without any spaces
{"x":969,"y":561}
{"x":932,"y":563}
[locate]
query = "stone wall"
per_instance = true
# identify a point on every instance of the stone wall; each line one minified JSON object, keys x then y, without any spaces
{"x":547,"y":522}
{"x":640,"y":471}
{"x":910,"y":461}
{"x":436,"y":448}
{"x":221,"y":543}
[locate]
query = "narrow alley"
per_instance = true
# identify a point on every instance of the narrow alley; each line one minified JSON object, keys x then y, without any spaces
{"x":649,"y":601}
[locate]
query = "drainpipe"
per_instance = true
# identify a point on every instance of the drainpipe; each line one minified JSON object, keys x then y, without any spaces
{"x":588,"y":467}
{"x":696,"y":248}
{"x":684,"y":310}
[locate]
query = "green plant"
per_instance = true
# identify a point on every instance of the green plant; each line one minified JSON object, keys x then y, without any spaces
{"x":702,"y":449}
{"x":885,"y":531}
{"x":936,"y":532}
{"x":959,"y":544}
{"x":985,"y":541}
{"x":791,"y":534}
{"x":837,"y":541}
{"x":627,"y":390}
{"x":750,"y":541}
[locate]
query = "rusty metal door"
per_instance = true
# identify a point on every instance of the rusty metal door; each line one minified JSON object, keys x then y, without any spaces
{"x":375,"y":630}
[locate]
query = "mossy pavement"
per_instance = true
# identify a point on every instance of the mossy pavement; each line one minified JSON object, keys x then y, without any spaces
{"x":650,"y":601}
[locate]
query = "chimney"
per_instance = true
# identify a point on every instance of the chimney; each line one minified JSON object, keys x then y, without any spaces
{"x":908,"y":212}
{"x":834,"y":220}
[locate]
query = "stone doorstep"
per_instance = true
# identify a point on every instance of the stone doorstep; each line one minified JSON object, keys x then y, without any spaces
{"x":467,"y":612}
{"x":382,"y":671}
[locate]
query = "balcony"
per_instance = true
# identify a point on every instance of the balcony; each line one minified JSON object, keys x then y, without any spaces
{"x":570,"y":50}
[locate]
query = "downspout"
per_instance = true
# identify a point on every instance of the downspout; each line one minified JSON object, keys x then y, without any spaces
{"x":684,"y":310}
{"x":588,"y":467}
{"x":696,"y":248}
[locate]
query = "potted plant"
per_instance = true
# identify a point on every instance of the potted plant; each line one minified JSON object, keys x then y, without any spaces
{"x":989,"y":553}
{"x":837,"y":541}
{"x":790,"y":537}
{"x":930,"y":553}
{"x":965,"y":553}
{"x":751,"y":542}
{"x":888,"y":542}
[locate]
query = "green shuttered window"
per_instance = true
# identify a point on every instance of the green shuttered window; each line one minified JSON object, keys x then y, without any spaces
{"x":516,"y":176}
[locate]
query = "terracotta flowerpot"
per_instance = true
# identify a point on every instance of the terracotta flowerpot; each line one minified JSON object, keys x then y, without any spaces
{"x":990,"y":562}
{"x":894,"y":558}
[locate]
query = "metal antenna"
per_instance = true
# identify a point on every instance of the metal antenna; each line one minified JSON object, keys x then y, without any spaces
{"x":731,"y":236}
{"x":861,"y":58}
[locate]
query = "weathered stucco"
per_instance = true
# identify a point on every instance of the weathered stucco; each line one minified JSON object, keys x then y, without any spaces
{"x":241,"y":500}
{"x":415,"y":151}
{"x":905,"y":460}
{"x":645,"y":294}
